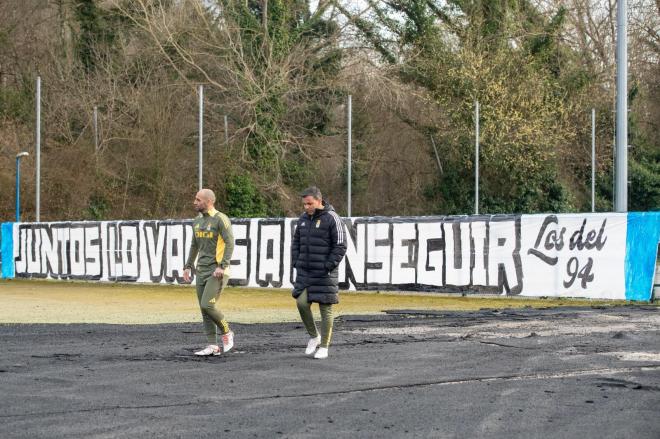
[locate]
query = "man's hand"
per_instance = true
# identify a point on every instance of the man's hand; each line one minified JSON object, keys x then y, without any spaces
{"x":219,"y":272}
{"x":186,"y":275}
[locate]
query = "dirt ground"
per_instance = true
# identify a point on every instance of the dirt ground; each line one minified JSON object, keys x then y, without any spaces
{"x":34,"y":301}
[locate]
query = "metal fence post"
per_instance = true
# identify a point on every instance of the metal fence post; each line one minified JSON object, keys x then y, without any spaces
{"x":593,"y":159}
{"x":349,"y":165}
{"x":476,"y":158}
{"x":201,"y":135}
{"x":38,"y":151}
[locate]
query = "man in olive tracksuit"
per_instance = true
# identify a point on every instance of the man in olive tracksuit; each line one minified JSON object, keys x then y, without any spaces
{"x":213,"y":242}
{"x":318,"y":246}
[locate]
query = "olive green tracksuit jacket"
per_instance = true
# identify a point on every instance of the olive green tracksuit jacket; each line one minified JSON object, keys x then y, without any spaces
{"x":213,"y":242}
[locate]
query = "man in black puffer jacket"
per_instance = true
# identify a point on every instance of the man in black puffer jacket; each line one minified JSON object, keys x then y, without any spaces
{"x":319,"y":244}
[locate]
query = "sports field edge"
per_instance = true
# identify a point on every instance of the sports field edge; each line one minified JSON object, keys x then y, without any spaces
{"x":51,"y":301}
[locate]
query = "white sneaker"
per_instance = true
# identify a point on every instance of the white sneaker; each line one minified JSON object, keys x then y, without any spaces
{"x":321,"y":354}
{"x":227,"y":341}
{"x":312,"y":344}
{"x":211,"y":349}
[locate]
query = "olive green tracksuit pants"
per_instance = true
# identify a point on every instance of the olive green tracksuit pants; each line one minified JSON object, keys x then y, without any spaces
{"x":208,"y":295}
{"x":327,"y":319}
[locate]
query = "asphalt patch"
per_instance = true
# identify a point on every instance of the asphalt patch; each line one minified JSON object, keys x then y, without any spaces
{"x":409,"y":373}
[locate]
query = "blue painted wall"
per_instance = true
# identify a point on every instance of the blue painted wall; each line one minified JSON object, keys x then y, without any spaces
{"x":641,"y":252}
{"x":7,"y":250}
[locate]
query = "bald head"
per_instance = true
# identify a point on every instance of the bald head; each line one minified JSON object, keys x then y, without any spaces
{"x":207,"y":194}
{"x":204,"y":200}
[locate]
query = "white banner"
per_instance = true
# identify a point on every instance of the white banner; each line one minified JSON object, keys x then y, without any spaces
{"x":573,"y":255}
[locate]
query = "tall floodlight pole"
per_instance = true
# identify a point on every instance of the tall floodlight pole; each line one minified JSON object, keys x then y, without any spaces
{"x":593,"y":159}
{"x":18,"y":184}
{"x":622,"y":107}
{"x":349,"y":117}
{"x":614,"y":159}
{"x":38,"y":150}
{"x":201,"y":133}
{"x":476,"y":158}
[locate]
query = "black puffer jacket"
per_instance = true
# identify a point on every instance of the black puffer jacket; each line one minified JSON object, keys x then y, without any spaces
{"x":319,"y":244}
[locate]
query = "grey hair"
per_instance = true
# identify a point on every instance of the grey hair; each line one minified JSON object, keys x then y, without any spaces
{"x":312,"y":191}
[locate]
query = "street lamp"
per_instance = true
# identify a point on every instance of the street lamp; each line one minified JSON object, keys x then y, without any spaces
{"x":18,"y":183}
